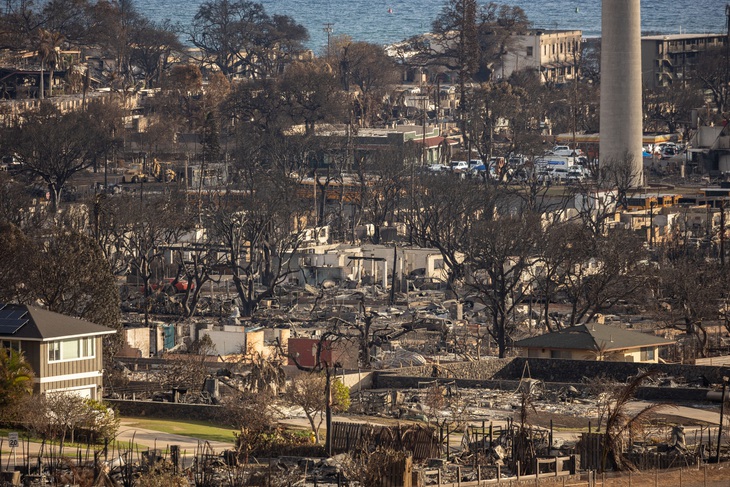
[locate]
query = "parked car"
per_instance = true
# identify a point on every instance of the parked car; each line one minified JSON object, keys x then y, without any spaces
{"x":170,"y":286}
{"x":668,"y":152}
{"x":562,"y":150}
{"x":459,"y":166}
{"x":435,"y":168}
{"x":577,"y":174}
{"x":559,"y":175}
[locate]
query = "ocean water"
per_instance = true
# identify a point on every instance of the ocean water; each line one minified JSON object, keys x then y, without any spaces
{"x":388,"y":21}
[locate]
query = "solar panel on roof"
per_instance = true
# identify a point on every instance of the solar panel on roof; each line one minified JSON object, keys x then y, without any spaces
{"x":13,"y":314}
{"x":8,"y":327}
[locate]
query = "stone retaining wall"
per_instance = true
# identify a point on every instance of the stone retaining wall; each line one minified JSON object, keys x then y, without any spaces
{"x":168,"y":410}
{"x":554,"y":370}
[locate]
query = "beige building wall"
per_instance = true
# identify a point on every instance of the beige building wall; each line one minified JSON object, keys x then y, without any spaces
{"x":554,"y":53}
{"x":633,"y":355}
{"x":138,"y":339}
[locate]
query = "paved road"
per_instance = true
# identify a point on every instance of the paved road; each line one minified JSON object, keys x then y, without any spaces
{"x":128,"y":431}
{"x":712,"y":417}
{"x":144,"y":438}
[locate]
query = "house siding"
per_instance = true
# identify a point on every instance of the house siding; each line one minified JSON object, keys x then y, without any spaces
{"x":629,"y":355}
{"x":93,"y":383}
{"x":38,"y":358}
{"x":71,"y":366}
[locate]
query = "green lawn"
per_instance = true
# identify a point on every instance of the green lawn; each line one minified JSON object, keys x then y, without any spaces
{"x":202,"y":430}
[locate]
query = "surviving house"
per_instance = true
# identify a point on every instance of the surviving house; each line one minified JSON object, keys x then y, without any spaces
{"x":593,"y":341}
{"x":64,"y":352}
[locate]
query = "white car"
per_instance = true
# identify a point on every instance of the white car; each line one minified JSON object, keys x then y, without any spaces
{"x":459,"y":166}
{"x":436,"y":168}
{"x":559,"y":175}
{"x":565,"y":151}
{"x":577,"y":174}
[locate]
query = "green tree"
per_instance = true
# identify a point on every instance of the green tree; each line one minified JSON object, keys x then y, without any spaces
{"x":16,"y":378}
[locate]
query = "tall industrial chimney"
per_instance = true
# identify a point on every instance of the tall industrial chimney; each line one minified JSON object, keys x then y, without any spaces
{"x":621,"y":110}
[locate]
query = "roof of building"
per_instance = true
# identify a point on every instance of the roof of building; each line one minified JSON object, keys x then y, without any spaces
{"x":22,"y":322}
{"x":593,"y":336}
{"x":541,"y":32}
{"x":680,"y":37}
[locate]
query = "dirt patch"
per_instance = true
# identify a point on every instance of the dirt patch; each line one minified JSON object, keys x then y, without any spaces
{"x":705,"y":476}
{"x":568,"y":422}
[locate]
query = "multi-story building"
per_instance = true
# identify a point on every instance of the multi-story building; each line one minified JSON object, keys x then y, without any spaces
{"x":64,"y":352}
{"x":666,"y":59}
{"x":554,"y":53}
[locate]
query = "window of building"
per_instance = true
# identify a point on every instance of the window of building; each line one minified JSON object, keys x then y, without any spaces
{"x":80,"y":348}
{"x":54,"y":351}
{"x":647,"y":353}
{"x":11,"y":344}
{"x":564,"y":354}
{"x":529,"y":51}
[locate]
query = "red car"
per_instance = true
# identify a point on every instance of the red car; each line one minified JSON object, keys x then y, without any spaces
{"x":180,"y":286}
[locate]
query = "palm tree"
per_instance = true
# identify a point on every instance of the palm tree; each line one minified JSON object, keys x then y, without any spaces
{"x":49,"y":44}
{"x":16,"y":377}
{"x":619,"y":423}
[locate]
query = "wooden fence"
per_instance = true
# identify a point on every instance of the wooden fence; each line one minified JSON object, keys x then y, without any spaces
{"x":591,"y":448}
{"x":545,"y":468}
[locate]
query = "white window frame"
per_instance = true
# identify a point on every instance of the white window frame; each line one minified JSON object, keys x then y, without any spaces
{"x":54,"y":348}
{"x":83,"y":344}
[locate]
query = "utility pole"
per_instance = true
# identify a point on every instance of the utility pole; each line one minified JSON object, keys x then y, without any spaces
{"x":727,"y":46}
{"x":722,"y":411}
{"x":328,"y":28}
{"x":722,"y":233}
{"x":651,"y":223}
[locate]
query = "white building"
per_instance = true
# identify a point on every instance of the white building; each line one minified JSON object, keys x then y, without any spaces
{"x":554,"y":53}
